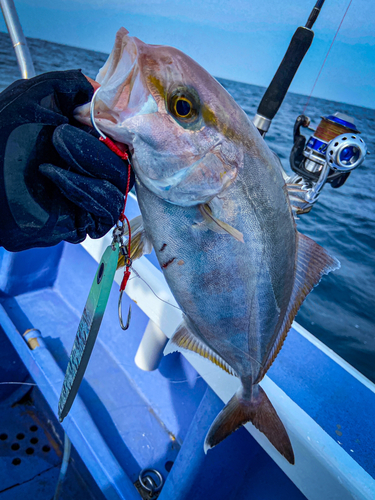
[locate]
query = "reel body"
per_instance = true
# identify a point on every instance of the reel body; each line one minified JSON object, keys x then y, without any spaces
{"x":330,"y":154}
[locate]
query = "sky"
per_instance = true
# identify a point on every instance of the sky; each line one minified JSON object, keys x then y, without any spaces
{"x":242,"y":40}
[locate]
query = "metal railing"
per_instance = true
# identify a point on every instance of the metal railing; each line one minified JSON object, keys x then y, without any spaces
{"x":20,"y":46}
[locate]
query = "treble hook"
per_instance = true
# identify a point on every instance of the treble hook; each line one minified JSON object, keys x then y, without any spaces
{"x":126,"y":326}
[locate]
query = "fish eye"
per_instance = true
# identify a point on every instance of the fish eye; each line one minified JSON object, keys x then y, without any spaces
{"x":183,"y":104}
{"x":182,"y":107}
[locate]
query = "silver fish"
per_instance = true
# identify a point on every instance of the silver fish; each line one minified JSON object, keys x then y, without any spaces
{"x":216,"y":209}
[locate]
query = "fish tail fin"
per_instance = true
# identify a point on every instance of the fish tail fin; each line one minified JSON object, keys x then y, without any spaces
{"x":260,"y":412}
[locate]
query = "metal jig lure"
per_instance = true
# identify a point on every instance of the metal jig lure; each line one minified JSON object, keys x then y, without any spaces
{"x":96,"y":303}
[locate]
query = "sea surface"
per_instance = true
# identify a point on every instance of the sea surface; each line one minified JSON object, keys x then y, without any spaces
{"x":340,"y":311}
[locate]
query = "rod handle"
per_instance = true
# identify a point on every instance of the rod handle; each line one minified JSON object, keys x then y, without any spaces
{"x":279,"y":86}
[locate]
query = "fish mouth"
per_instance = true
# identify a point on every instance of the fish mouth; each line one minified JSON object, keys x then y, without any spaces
{"x":99,"y":117}
{"x":122,"y":146}
{"x":122,"y":94}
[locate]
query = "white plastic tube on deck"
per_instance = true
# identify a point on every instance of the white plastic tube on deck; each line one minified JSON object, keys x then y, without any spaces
{"x":150,"y":350}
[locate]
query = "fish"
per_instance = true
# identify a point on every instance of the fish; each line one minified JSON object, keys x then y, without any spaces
{"x":215,"y":207}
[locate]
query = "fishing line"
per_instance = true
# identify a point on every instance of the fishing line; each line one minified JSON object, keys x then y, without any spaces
{"x":157,"y":296}
{"x":17,"y":383}
{"x":329,"y":50}
{"x":184,"y":381}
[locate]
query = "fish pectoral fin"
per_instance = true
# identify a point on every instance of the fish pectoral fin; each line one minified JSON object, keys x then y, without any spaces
{"x":312,"y":263}
{"x":184,"y":339}
{"x":139,"y":244}
{"x":260,"y":412}
{"x":218,"y":225}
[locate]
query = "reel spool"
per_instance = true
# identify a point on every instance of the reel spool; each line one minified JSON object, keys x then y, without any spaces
{"x":335,"y":142}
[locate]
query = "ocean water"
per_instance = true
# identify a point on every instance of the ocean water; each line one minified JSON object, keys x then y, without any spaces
{"x":340,"y":311}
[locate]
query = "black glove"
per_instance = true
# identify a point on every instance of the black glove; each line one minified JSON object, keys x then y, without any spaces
{"x":57,"y":182}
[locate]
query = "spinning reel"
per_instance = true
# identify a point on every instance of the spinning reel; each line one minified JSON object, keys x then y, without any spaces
{"x":330,"y":155}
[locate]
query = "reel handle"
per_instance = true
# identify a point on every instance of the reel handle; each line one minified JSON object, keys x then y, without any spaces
{"x":346,"y":152}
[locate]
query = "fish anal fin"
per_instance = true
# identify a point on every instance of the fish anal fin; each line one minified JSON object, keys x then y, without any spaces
{"x":312,"y":263}
{"x":218,"y":225}
{"x":183,"y":338}
{"x":260,"y":412}
{"x":140,"y":243}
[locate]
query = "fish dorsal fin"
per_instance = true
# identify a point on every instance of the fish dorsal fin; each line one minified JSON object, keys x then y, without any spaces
{"x":297,"y":199}
{"x":312,"y":263}
{"x":218,"y":225}
{"x":184,"y":339}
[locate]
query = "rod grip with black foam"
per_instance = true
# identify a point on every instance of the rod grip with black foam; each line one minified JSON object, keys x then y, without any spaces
{"x":279,"y":86}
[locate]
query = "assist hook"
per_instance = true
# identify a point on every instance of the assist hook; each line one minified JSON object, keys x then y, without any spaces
{"x":119,"y":230}
{"x":92,"y":114}
{"x":128,"y":263}
{"x":126,"y":326}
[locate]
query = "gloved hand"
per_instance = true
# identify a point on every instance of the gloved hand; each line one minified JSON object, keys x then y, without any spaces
{"x":57,"y":182}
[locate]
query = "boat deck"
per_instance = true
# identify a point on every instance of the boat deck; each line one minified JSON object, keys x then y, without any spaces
{"x":126,"y":419}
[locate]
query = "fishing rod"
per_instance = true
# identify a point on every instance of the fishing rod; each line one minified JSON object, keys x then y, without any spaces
{"x":276,"y":91}
{"x":335,"y":148}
